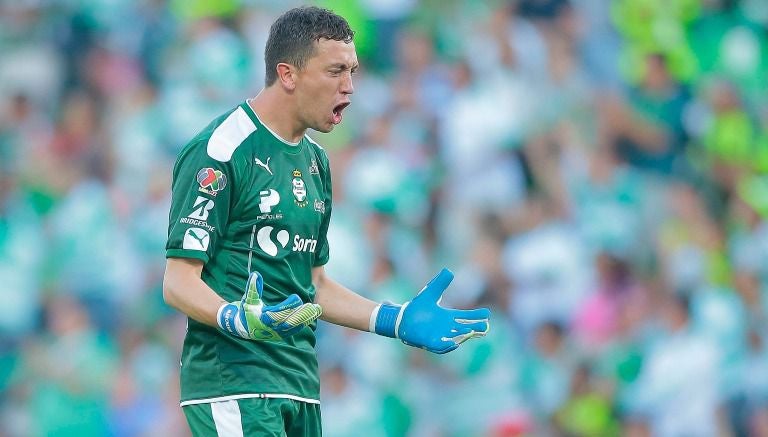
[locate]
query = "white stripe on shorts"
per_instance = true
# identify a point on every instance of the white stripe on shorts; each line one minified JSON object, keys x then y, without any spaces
{"x":226,"y":417}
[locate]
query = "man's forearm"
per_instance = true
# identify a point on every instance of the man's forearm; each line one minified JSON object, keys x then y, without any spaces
{"x":184,"y":290}
{"x":420,"y":322}
{"x":342,"y":306}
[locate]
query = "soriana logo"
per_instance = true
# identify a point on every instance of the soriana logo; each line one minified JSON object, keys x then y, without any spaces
{"x":211,"y":181}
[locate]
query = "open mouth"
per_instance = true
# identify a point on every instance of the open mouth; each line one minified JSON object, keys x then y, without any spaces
{"x":337,"y":116}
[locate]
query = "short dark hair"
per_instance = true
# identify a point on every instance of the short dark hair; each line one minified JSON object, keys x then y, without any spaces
{"x":293,"y":35}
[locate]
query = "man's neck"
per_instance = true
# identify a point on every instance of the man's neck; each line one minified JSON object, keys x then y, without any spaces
{"x":278,"y":115}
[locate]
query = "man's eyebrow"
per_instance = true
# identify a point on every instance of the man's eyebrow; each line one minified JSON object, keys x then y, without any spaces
{"x":344,"y":66}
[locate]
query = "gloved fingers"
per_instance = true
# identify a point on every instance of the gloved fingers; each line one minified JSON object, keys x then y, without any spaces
{"x":304,"y":315}
{"x":285,"y":333}
{"x":462,"y":331}
{"x":442,"y":346}
{"x":434,"y":289}
{"x":254,"y":289}
{"x":461,"y":338}
{"x":278,"y":313}
{"x":471,"y":316}
{"x":290,"y":303}
{"x":471,"y":325}
{"x":445,"y":346}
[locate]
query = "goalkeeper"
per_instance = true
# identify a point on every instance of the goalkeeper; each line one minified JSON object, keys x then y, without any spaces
{"x":251,"y":203}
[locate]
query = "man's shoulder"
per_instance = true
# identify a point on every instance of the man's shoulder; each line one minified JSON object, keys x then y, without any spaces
{"x":224,"y":136}
{"x":231,"y":131}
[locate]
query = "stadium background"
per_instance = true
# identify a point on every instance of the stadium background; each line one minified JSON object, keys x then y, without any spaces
{"x":591,"y":170}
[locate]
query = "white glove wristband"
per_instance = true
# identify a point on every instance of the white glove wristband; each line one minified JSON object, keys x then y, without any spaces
{"x":372,"y":320}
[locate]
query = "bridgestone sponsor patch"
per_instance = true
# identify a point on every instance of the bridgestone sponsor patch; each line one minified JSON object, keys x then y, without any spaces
{"x":190,"y":221}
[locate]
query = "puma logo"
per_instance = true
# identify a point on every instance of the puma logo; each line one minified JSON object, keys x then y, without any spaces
{"x":200,"y":239}
{"x":196,"y":239}
{"x":265,"y":165}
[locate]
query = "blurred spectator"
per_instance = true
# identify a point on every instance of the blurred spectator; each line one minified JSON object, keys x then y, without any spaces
{"x":550,"y":270}
{"x":749,"y":417}
{"x":547,"y":374}
{"x":690,"y":244}
{"x":68,"y":373}
{"x":651,"y":134}
{"x":597,"y":320}
{"x":587,"y":411}
{"x":349,"y":406}
{"x":672,"y":394}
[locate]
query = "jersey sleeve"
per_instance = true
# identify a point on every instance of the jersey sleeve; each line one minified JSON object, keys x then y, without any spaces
{"x":201,"y":200}
{"x":323,"y":253}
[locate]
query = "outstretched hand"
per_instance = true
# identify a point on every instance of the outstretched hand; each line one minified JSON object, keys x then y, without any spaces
{"x":427,"y":325}
{"x":423,"y":323}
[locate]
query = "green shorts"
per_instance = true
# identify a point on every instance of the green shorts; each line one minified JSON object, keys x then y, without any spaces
{"x":270,"y":417}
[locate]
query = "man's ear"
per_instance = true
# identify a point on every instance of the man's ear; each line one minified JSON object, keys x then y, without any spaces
{"x":286,"y":75}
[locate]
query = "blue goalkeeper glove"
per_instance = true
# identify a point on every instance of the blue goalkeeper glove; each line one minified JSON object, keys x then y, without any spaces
{"x":251,"y":319}
{"x":423,"y":323}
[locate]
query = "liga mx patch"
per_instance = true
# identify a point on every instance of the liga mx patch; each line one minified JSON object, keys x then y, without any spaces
{"x":211,"y":181}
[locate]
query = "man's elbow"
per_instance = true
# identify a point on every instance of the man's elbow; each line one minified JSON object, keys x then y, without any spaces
{"x":319,"y":278}
{"x":170,"y":295}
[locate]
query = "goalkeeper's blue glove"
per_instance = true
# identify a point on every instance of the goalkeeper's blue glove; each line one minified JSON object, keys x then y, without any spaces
{"x":251,"y":319}
{"x":423,"y":323}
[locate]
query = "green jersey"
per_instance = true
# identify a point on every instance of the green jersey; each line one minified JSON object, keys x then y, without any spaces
{"x":245,"y":200}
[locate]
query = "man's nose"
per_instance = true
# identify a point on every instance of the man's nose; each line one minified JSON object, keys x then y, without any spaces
{"x":346,"y":84}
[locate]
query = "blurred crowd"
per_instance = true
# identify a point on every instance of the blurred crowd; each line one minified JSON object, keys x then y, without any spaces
{"x":594,"y":172}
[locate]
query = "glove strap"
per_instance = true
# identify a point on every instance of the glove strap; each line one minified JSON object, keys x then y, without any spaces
{"x":387,"y":316}
{"x":226,"y":318}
